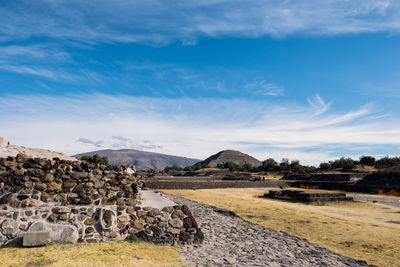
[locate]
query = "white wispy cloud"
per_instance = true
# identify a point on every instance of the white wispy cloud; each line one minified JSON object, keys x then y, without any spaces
{"x":318,"y":104}
{"x":38,"y":71}
{"x":41,"y":60}
{"x":157,"y":22}
{"x":34,"y":52}
{"x":191,"y":127}
{"x":264,"y":88}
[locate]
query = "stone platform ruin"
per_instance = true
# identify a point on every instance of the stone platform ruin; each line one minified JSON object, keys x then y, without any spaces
{"x":312,"y":197}
{"x":44,"y":201}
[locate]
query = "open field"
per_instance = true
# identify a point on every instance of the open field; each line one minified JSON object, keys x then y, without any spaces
{"x":101,"y":254}
{"x":364,"y":231}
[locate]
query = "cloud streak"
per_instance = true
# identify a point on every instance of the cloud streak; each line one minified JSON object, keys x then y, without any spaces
{"x":193,"y":127}
{"x":265,"y":89}
{"x":157,"y":23}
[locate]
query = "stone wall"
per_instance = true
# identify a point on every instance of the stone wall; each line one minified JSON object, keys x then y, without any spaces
{"x":80,"y":202}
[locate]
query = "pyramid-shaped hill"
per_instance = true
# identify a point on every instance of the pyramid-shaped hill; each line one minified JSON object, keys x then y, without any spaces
{"x":229,"y":156}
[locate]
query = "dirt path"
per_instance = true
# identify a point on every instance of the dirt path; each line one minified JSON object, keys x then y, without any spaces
{"x":230,"y":241}
{"x":385,"y":200}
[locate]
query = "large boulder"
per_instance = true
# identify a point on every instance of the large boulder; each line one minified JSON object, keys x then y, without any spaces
{"x":58,"y":233}
{"x":36,"y":239}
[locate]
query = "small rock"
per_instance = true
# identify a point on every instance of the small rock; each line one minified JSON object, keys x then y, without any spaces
{"x":48,"y":178}
{"x":189,"y":222}
{"x":114,"y":235}
{"x":89,"y":221}
{"x":149,"y":220}
{"x":54,"y":187}
{"x":173,"y":231}
{"x":168,"y":209}
{"x":176,"y":223}
{"x":69,"y":184}
{"x":186,"y":210}
{"x":138,"y":225}
{"x":165,"y":217}
{"x":154,"y":212}
{"x":120,"y":201}
{"x":123,"y":219}
{"x":86,"y":200}
{"x":21,"y":158}
{"x":130,"y":211}
{"x":29,"y":203}
{"x":107,"y":201}
{"x":178,"y":214}
{"x":40,"y":186}
{"x":45,"y":197}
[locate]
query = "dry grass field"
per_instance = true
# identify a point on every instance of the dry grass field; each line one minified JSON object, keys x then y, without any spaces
{"x":101,"y":254}
{"x":366,"y":231}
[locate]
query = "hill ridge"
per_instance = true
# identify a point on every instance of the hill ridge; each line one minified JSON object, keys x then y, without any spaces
{"x":141,"y":159}
{"x":229,"y":155}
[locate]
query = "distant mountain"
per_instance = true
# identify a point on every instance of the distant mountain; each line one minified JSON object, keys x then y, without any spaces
{"x":141,"y":159}
{"x":230,"y":156}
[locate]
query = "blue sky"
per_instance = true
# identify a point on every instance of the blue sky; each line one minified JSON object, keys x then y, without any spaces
{"x":309,"y":80}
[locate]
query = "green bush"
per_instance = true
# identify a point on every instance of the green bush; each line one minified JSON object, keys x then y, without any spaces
{"x":96,"y":159}
{"x":173,"y":168}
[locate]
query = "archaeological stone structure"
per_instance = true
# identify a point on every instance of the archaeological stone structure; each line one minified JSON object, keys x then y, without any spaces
{"x":44,"y":201}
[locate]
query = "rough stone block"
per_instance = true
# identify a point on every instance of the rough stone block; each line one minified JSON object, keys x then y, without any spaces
{"x":36,"y":239}
{"x":59,"y":233}
{"x":9,"y":227}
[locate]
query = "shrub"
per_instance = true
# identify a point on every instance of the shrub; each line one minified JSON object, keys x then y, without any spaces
{"x":387,"y":162}
{"x":173,"y":168}
{"x":342,"y":163}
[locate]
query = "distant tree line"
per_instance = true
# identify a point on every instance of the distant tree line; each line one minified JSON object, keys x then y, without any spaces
{"x":294,"y":166}
{"x":195,"y":167}
{"x":96,"y":159}
{"x":348,"y":163}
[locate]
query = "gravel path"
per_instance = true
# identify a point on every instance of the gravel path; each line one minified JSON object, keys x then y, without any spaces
{"x":230,"y":241}
{"x":150,"y":198}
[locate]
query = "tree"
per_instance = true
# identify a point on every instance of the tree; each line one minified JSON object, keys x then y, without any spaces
{"x":296,"y":166}
{"x":325,"y":166}
{"x":284,"y":165}
{"x":342,"y":163}
{"x":96,"y":159}
{"x":367,"y":160}
{"x":248,"y":167}
{"x":269,"y":165}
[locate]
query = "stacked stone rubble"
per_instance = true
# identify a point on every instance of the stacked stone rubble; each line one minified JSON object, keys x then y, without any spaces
{"x":81,"y":202}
